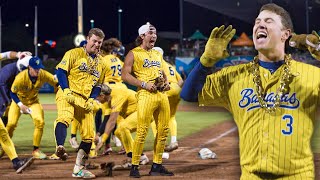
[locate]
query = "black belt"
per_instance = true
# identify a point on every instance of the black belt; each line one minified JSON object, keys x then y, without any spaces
{"x":112,"y":82}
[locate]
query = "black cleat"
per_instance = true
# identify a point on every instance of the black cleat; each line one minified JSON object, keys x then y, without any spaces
{"x":134,"y":172}
{"x":159,"y":170}
{"x":23,"y":164}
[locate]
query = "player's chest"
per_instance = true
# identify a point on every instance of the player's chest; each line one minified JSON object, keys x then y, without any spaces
{"x":87,"y":68}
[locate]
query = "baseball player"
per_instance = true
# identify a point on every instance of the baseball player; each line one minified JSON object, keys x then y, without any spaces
{"x":24,"y":92}
{"x":80,"y":74}
{"x":273,"y":99}
{"x":146,"y":65}
{"x":173,"y":94}
{"x":124,"y":115}
{"x":7,"y":74}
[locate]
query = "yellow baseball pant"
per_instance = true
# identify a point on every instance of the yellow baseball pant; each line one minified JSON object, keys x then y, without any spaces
{"x":36,"y":115}
{"x":157,"y":105}
{"x":6,"y":142}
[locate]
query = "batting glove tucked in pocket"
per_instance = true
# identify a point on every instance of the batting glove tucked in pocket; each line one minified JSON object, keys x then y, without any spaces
{"x":67,"y":93}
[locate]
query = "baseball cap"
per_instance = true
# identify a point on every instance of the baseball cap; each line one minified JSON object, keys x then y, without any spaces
{"x":158,"y":49}
{"x":35,"y":63}
{"x":145,"y":28}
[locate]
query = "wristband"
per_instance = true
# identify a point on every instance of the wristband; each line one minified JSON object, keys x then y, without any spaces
{"x":20,"y":104}
{"x":143,"y":85}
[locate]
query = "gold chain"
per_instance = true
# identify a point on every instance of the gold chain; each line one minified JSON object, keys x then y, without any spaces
{"x":280,"y":91}
{"x":92,"y":62}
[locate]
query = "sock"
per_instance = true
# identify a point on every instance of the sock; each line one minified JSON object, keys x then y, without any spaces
{"x":61,"y":133}
{"x":155,"y":165}
{"x":129,"y":154}
{"x":85,"y":146}
{"x":35,"y":148}
{"x":173,"y":139}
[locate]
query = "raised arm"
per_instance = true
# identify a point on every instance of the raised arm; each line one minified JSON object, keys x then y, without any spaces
{"x":216,"y":49}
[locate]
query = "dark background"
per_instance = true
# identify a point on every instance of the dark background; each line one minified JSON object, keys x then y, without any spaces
{"x":57,"y":20}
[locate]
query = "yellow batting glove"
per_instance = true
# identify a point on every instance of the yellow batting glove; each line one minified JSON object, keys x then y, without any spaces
{"x":216,"y":47}
{"x":89,"y":105}
{"x":67,"y":93}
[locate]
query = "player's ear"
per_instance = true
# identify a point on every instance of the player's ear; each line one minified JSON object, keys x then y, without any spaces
{"x":285,"y":35}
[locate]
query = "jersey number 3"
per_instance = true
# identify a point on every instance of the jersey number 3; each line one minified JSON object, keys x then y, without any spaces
{"x":289,"y":129}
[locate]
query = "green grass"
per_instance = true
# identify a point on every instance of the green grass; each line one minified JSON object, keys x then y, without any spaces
{"x":188,"y":123}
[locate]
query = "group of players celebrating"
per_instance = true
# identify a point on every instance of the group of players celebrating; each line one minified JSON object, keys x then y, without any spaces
{"x":90,"y":79}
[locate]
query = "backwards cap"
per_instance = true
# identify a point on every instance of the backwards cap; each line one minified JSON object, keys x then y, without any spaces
{"x":144,"y":28}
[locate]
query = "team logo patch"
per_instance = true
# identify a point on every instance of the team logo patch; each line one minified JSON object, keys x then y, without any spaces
{"x":149,"y":63}
{"x":250,"y":101}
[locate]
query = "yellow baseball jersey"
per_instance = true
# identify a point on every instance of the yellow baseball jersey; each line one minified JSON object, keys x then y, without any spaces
{"x":147,"y":65}
{"x":28,"y":92}
{"x":125,"y":102}
{"x":80,"y":78}
{"x":276,"y":143}
{"x":113,"y":66}
{"x":172,"y":75}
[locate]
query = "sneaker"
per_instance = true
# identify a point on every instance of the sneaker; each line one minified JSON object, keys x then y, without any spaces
{"x":144,"y":159}
{"x":61,"y":153}
{"x":122,"y":151}
{"x":73,"y":142}
{"x":37,"y":154}
{"x":82,"y":173}
{"x":23,"y":164}
{"x":134,"y":172}
{"x":171,"y":147}
{"x":159,"y":170}
{"x":117,"y":141}
{"x":107,"y":150}
{"x":54,"y":157}
{"x":1,"y":152}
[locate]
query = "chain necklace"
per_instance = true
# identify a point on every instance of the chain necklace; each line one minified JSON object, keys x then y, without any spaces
{"x":280,"y":91}
{"x":92,"y":62}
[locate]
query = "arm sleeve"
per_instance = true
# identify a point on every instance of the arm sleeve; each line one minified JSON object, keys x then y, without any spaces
{"x":194,"y":82}
{"x":62,"y":78}
{"x":15,"y":97}
{"x":95,"y":92}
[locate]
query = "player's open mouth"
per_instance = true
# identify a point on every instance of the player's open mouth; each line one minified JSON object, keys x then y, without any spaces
{"x":261,"y":35}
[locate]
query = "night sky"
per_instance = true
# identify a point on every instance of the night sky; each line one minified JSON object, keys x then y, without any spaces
{"x":58,"y":18}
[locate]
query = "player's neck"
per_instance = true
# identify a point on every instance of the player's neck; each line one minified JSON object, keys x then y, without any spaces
{"x":271,"y":56}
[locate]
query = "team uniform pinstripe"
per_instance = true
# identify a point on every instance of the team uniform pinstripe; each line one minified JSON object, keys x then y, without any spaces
{"x":28,"y":95}
{"x":123,"y":101}
{"x":147,"y":67}
{"x":173,"y":96}
{"x":81,"y":82}
{"x":275,"y":145}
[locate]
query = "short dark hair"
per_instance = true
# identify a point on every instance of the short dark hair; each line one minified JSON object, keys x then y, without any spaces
{"x":285,"y":16}
{"x":96,"y":31}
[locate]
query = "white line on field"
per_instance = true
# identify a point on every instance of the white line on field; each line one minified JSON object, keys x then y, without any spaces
{"x":211,"y":140}
{"x":220,"y":136}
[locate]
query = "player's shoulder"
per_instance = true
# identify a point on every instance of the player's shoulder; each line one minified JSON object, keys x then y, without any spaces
{"x":236,"y":69}
{"x":75,"y":51}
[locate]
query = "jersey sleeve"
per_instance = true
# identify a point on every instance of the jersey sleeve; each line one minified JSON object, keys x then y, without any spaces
{"x":49,"y":78}
{"x":215,"y":91}
{"x":17,"y":83}
{"x":66,"y":61}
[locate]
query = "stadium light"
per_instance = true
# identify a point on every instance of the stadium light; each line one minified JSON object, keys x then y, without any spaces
{"x":92,"y":23}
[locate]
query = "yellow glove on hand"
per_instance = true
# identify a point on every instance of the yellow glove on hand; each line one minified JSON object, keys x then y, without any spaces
{"x":89,"y":105}
{"x":310,"y":42}
{"x":67,"y":93}
{"x":216,"y":47}
{"x":96,"y":105}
